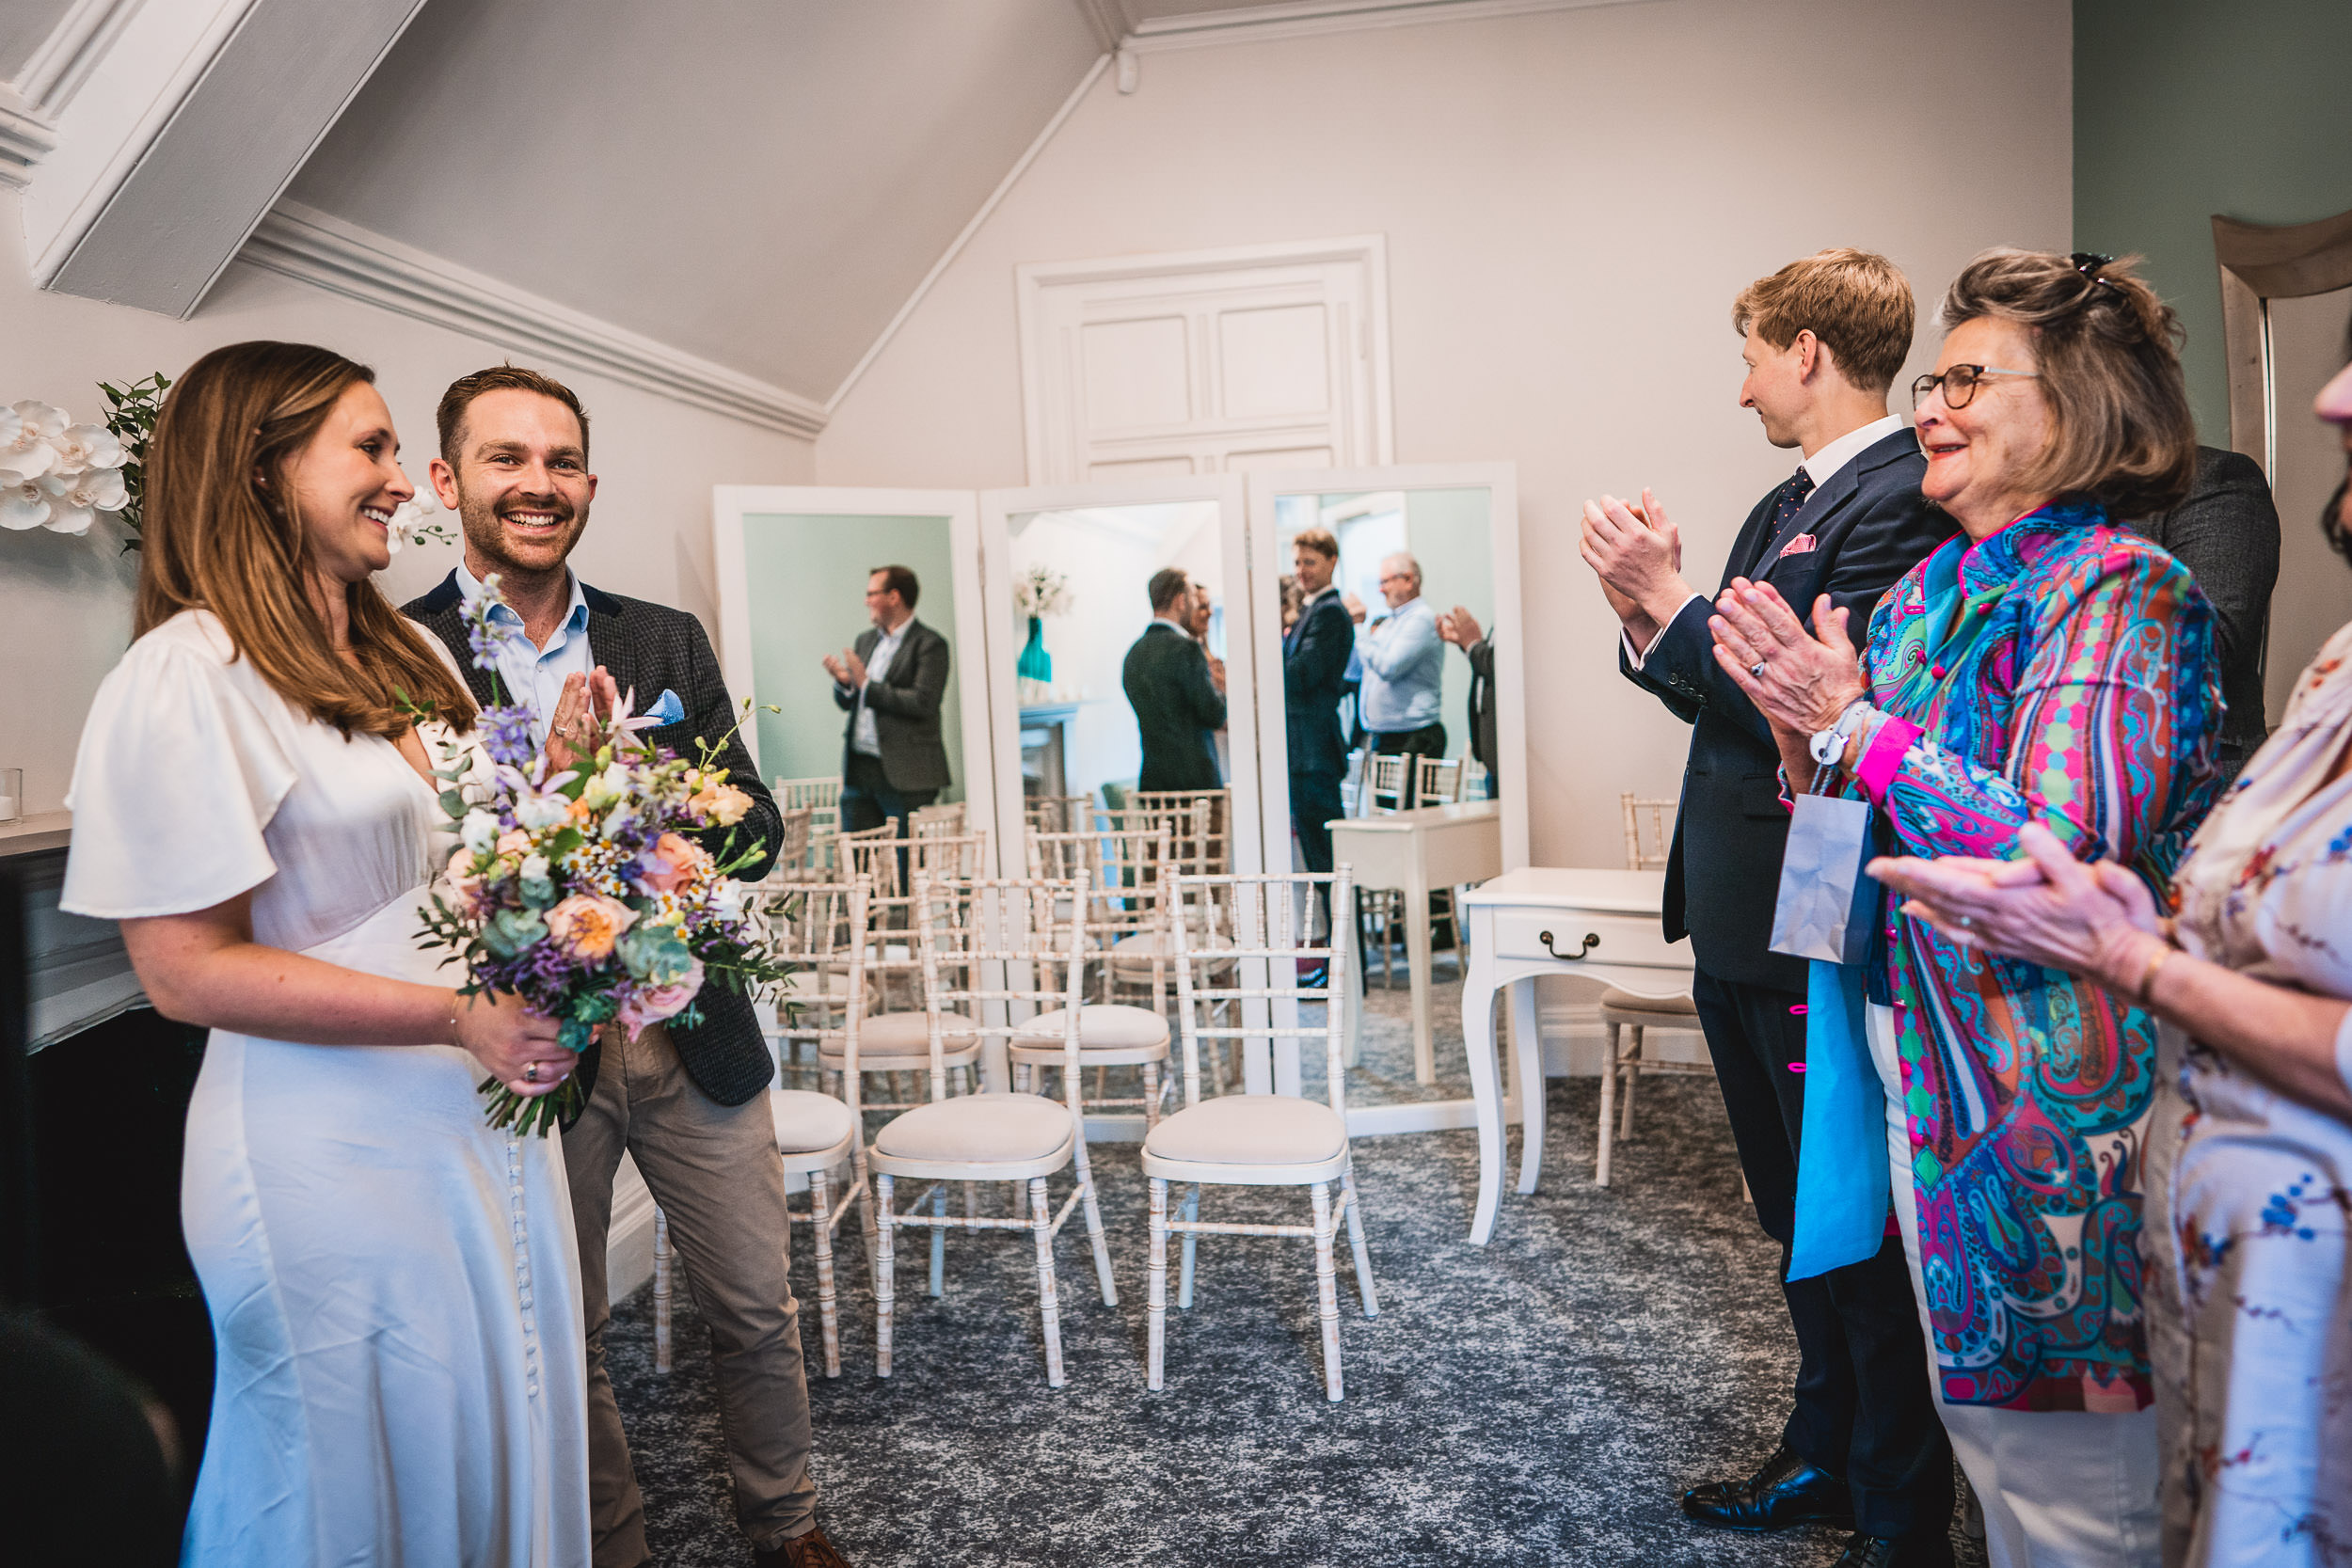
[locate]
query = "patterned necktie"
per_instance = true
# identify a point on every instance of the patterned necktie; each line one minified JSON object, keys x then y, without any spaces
{"x":1791,"y":501}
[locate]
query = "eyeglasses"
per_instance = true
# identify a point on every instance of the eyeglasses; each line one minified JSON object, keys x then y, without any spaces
{"x":1960,"y":384}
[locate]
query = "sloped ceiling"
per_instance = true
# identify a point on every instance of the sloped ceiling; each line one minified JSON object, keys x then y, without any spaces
{"x":762,"y":182}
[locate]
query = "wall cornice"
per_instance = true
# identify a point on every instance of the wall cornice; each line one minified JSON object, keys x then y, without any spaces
{"x":316,"y":248}
{"x":1316,"y":18}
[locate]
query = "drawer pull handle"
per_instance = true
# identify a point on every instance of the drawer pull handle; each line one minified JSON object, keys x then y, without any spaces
{"x":1592,"y":940}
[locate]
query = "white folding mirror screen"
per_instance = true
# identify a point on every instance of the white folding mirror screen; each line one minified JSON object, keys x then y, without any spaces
{"x":1467,"y":560}
{"x":792,"y":563}
{"x":1104,"y":541}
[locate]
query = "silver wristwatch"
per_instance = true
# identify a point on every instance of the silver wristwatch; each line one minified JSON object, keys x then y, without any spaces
{"x":1828,"y":744}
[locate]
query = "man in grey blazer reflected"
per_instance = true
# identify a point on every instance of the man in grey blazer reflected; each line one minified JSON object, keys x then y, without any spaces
{"x":894,"y":757}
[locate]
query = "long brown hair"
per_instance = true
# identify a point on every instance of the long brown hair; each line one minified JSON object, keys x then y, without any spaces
{"x":214,"y":539}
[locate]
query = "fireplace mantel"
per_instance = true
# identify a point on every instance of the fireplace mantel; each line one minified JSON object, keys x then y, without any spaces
{"x":80,"y":974}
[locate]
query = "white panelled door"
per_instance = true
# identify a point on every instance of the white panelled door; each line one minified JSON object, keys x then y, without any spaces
{"x":1226,"y":361}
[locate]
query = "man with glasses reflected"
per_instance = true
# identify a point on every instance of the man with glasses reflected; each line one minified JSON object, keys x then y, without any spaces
{"x":1826,"y":336}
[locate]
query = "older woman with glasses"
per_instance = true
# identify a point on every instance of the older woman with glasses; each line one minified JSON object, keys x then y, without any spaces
{"x":2044,"y":666}
{"x":2250,"y":1161}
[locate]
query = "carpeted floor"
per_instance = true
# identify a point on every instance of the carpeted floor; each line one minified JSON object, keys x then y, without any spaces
{"x":1542,"y":1400}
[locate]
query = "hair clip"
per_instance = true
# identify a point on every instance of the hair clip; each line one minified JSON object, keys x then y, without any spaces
{"x":2089,"y":262}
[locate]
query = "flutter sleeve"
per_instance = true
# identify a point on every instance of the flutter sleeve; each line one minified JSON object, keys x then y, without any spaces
{"x":178,"y":775}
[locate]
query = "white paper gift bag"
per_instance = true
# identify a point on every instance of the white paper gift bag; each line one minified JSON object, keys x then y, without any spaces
{"x":1826,"y":903}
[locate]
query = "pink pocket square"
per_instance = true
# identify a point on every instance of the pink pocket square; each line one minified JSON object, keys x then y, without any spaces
{"x":1798,"y":546}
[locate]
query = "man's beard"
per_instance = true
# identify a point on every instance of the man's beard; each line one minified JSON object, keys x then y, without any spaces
{"x":485,"y":532}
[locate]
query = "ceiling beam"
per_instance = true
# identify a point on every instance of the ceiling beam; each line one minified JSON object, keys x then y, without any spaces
{"x":198,"y":115}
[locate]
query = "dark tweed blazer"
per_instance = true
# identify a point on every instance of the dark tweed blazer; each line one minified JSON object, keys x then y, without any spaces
{"x":651,"y":648}
{"x":2227,"y":534}
{"x":1178,"y":710}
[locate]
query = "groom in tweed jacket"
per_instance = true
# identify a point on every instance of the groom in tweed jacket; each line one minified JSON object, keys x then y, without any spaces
{"x":684,"y":1101}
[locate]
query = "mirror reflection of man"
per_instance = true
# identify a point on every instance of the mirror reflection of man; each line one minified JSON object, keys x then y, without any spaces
{"x":1177,"y":690}
{"x":1404,"y":671}
{"x":1315,"y":653}
{"x":893,"y":755}
{"x":1461,"y":628}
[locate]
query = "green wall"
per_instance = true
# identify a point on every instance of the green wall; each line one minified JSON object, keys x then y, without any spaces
{"x":2185,"y":108}
{"x":805,"y":581}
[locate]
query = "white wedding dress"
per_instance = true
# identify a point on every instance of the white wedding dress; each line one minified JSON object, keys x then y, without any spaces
{"x":394,"y":1287}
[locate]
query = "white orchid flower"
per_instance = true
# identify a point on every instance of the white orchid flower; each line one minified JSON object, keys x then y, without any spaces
{"x":76,"y":498}
{"x":23,"y":503}
{"x":86,"y":446}
{"x":408,"y":522}
{"x":25,"y":431}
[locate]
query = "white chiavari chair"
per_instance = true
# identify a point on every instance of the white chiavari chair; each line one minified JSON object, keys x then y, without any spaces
{"x":1386,"y":781}
{"x":1436,"y":781}
{"x":1628,"y":1017}
{"x":1262,"y":1140}
{"x":822,"y":796}
{"x":895,"y":1040}
{"x":1128,"y":877}
{"x":970,"y":932}
{"x":1057,"y":814}
{"x":941,"y":821}
{"x":1201,"y":820}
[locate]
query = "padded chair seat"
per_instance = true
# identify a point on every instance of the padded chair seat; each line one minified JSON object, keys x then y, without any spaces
{"x":1250,"y":1129}
{"x":990,"y":1129}
{"x":902,"y":1036}
{"x":1625,"y":1001}
{"x":807,"y":1123}
{"x":1101,"y":1027}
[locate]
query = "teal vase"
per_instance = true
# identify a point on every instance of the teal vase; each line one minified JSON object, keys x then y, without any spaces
{"x":1035,"y":663}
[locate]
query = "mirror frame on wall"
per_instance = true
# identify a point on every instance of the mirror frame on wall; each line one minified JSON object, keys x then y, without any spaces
{"x":732,"y":503}
{"x":1267,"y":564}
{"x":2261,"y":262}
{"x":997,"y":510}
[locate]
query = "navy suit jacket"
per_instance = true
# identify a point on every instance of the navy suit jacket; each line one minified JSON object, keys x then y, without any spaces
{"x":1315,"y":678}
{"x":1870,"y":525}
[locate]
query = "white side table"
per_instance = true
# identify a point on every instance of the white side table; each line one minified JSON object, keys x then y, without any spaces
{"x":1537,"y":921}
{"x":1413,"y":851}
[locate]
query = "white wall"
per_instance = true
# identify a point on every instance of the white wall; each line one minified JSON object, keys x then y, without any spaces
{"x":1571,"y":200}
{"x":65,"y":603}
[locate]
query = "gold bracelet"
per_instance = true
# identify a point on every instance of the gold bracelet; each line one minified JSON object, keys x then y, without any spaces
{"x":2156,"y":960}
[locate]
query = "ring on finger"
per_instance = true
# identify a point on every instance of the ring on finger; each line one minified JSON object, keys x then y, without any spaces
{"x":1756,"y":670}
{"x":531,"y":1072}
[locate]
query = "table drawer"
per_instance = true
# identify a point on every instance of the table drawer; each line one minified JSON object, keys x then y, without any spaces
{"x":1621,"y":938}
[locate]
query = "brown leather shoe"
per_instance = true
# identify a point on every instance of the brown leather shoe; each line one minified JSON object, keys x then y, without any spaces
{"x":812,"y":1551}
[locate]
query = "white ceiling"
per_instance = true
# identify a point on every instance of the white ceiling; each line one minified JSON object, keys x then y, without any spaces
{"x":762,"y":182}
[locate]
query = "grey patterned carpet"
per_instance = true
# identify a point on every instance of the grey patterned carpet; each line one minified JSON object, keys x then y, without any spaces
{"x":1543,"y":1400}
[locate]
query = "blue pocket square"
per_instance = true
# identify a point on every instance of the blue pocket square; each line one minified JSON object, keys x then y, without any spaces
{"x":667,"y":708}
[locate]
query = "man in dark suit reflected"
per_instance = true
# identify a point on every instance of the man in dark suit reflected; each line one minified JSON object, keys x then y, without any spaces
{"x":1826,"y":336}
{"x":1177,"y":690}
{"x":893,"y":758}
{"x":1315,"y":678}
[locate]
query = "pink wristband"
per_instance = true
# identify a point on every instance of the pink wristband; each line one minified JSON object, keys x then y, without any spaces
{"x":1884,"y":758}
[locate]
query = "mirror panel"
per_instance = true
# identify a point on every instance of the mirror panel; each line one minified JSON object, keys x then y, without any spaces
{"x":793,"y":563}
{"x":2314,"y":593}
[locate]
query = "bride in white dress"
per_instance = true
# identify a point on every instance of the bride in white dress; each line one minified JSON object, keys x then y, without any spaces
{"x":394,"y":1286}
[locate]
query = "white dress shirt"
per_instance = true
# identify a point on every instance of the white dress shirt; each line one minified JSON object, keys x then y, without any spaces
{"x":1820,"y":467}
{"x":864,"y":737}
{"x":533,"y":676}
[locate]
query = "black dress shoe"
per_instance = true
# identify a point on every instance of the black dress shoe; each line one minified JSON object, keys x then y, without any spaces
{"x":1786,"y":1491}
{"x":1920,"y":1549}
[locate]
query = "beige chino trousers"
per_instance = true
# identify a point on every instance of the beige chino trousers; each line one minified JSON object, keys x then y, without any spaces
{"x":714,"y":1171}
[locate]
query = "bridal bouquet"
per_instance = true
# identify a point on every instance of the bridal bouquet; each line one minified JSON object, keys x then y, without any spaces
{"x":578,"y":889}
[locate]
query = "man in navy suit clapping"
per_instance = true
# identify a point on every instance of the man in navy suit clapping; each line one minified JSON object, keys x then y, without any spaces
{"x":1827,"y":337}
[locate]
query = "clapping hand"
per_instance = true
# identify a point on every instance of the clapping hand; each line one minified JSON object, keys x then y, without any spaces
{"x":1216,"y":673}
{"x":585,"y":705}
{"x":1461,"y":628}
{"x":2049,"y":909}
{"x":1354,"y":608}
{"x":1636,"y":551}
{"x":1801,"y":680}
{"x":848,"y":671}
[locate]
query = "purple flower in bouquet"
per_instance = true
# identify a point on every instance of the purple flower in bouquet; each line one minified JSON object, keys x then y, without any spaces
{"x":506,"y":735}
